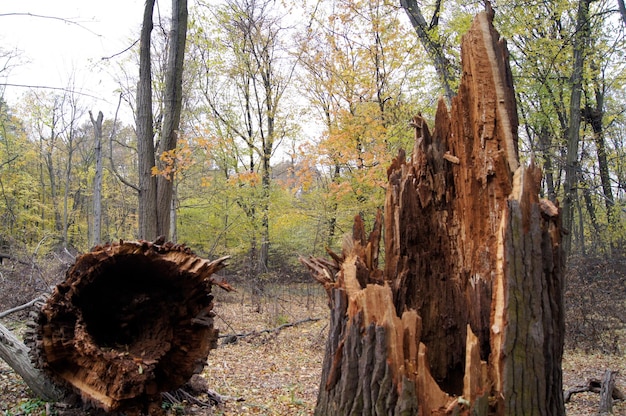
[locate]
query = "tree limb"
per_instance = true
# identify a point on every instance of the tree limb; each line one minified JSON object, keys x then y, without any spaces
{"x":15,"y":354}
{"x":113,"y":168}
{"x":277,"y":329}
{"x":10,"y":257}
{"x":433,"y":47}
{"x":622,"y":10}
{"x":21,"y":307}
{"x":61,"y":19}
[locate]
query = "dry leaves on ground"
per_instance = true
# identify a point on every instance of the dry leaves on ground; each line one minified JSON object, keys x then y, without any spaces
{"x":278,"y":372}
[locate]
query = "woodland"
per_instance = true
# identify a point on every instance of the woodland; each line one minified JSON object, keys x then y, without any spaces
{"x":262,"y":128}
{"x":274,"y":157}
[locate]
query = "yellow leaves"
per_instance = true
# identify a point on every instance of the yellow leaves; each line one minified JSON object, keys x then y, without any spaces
{"x":174,"y":161}
{"x":206,"y":181}
{"x":247,"y":178}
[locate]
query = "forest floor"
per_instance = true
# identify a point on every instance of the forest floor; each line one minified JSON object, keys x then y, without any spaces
{"x":277,"y":372}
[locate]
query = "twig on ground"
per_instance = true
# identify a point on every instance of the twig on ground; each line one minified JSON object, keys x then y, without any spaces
{"x":277,"y":329}
{"x":21,"y":307}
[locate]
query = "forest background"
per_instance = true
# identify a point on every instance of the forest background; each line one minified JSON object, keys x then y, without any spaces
{"x":291,"y":115}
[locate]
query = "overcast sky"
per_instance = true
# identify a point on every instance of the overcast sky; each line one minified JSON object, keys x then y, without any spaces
{"x":51,"y":50}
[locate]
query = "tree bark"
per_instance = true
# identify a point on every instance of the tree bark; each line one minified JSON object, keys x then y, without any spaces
{"x":131,"y":320}
{"x":145,"y":134}
{"x":570,"y":190}
{"x":171,"y":110}
{"x":594,"y":117}
{"x":606,"y":392}
{"x":97,"y":180}
{"x":15,"y":354}
{"x":467,"y":313}
{"x":427,"y":35}
{"x":622,"y":10}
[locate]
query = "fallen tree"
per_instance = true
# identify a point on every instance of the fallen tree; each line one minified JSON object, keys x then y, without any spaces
{"x":605,"y":387}
{"x":131,"y":320}
{"x":467,"y":313}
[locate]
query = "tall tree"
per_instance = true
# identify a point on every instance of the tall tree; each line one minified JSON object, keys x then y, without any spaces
{"x":359,"y":68}
{"x":172,"y":105}
{"x":96,"y":231}
{"x":245,"y":103}
{"x":145,"y":134}
{"x":572,"y":166}
{"x":155,"y":193}
{"x":561,"y":69}
{"x":622,"y":10}
{"x":20,"y":196}
{"x":430,"y":39}
{"x":71,"y":113}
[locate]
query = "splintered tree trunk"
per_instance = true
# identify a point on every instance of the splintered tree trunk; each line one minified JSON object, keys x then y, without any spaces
{"x":467,"y":314}
{"x":131,"y":320}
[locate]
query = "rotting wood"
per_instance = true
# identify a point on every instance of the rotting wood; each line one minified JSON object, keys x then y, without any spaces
{"x":15,"y":354}
{"x":130,"y":321}
{"x":26,"y":305}
{"x":593,"y":385}
{"x":606,"y":392}
{"x":467,"y":314}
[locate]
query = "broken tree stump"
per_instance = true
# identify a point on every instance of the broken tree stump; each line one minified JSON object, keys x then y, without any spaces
{"x":606,"y":392}
{"x":603,"y":387}
{"x":467,"y":314}
{"x":131,"y":320}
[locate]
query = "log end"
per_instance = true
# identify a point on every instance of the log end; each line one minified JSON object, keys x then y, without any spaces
{"x":131,"y":320}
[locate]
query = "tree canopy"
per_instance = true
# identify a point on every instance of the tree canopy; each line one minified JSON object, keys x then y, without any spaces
{"x":291,"y":114}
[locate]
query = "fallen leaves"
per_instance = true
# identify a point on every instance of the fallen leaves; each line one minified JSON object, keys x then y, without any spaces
{"x":279,"y":372}
{"x":276,"y":373}
{"x":578,"y":367}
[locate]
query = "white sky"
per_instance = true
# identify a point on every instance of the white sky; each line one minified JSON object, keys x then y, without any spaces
{"x":51,"y":51}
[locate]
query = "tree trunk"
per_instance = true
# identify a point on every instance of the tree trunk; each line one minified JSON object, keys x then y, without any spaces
{"x":131,"y":320}
{"x":570,"y":190}
{"x":15,"y":354}
{"x":428,"y":37}
{"x":468,"y":311}
{"x":594,"y":117}
{"x":97,"y":180}
{"x":622,"y":10}
{"x":171,"y":110}
{"x":145,"y":134}
{"x":606,"y":392}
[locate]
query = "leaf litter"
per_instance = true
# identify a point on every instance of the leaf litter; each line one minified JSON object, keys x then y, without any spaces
{"x":278,"y":372}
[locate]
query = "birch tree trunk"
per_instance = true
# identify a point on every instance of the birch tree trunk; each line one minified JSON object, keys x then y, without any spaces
{"x":467,"y":314}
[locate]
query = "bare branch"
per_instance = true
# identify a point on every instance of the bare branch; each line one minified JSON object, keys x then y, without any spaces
{"x":61,"y":19}
{"x":22,"y":307}
{"x":106,"y":58}
{"x":44,"y":87}
{"x":111,"y":136}
{"x":230,"y":337}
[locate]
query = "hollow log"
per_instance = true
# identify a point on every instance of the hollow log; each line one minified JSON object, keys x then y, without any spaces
{"x":467,"y":313}
{"x":130,"y":320}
